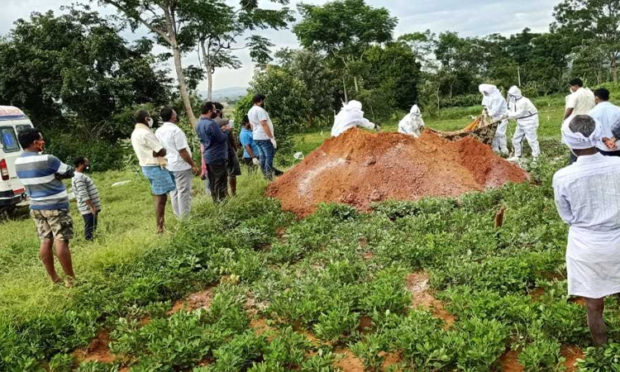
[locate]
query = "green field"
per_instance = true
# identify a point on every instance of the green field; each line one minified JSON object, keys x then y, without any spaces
{"x":338,"y":289}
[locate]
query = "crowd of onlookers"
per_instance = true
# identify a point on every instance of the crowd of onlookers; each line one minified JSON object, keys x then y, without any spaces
{"x":165,"y":158}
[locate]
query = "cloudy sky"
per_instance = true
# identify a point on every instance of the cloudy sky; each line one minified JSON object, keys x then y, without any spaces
{"x":468,"y":18}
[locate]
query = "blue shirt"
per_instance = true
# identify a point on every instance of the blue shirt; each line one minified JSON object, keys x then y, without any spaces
{"x":41,"y":174}
{"x":214,"y":140}
{"x":245,"y":137}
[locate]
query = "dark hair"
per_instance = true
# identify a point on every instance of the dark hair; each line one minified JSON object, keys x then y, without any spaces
{"x":602,"y":93}
{"x":140,"y":116}
{"x":583,"y":124}
{"x":218,"y":106}
{"x":245,"y":120}
{"x":258,"y":98}
{"x":166,"y":113}
{"x":79,"y":161}
{"x":206,"y":107}
{"x":27,"y":137}
{"x":576,"y":81}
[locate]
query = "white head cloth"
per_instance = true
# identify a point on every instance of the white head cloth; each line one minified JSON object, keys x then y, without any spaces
{"x":578,"y":141}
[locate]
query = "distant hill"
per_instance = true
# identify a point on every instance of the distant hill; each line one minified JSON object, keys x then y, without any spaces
{"x":232,"y":93}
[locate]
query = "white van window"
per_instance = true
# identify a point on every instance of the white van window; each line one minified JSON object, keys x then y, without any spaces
{"x":22,"y":127}
{"x":8,"y":139}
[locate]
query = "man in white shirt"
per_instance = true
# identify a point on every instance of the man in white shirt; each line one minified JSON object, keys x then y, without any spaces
{"x":180,"y":163}
{"x":350,"y":116}
{"x":587,"y":197}
{"x":263,"y":135}
{"x":151,"y":156}
{"x":608,"y":116}
{"x":580,"y":101}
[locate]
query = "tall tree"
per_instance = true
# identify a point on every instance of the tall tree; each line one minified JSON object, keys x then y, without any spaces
{"x":160,"y":17}
{"x":591,"y":22}
{"x":75,"y":71}
{"x":173,"y":23}
{"x":216,"y":28}
{"x":344,"y":30}
{"x":461,"y":59}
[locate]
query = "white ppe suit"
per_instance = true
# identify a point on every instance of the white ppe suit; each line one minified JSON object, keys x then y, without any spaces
{"x":524,"y":112}
{"x":351,"y":115}
{"x":412,"y":124}
{"x":496,"y":108}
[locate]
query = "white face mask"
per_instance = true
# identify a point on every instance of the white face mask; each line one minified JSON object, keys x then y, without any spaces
{"x":149,"y":121}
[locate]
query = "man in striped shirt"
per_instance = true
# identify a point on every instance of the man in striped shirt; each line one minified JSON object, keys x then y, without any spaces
{"x":41,"y":174}
{"x":87,"y":196}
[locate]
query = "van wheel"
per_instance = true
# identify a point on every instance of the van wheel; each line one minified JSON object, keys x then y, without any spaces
{"x":7,"y":212}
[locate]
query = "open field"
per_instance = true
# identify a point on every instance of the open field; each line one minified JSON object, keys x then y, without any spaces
{"x":425,"y":286}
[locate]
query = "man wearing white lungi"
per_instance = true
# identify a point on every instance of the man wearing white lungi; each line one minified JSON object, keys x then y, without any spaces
{"x":587,"y":196}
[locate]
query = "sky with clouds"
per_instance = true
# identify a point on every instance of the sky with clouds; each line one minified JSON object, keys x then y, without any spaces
{"x":468,"y":18}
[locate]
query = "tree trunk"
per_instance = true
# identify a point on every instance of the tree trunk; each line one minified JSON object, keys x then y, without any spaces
{"x":357,"y":88}
{"x":614,"y":68}
{"x":176,"y":52}
{"x":210,"y":84}
{"x":208,"y":69}
{"x":344,"y":86}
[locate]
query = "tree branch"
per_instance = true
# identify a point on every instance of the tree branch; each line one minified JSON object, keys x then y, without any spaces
{"x":128,"y":12}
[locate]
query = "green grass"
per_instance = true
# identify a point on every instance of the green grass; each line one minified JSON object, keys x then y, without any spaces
{"x":319,"y":275}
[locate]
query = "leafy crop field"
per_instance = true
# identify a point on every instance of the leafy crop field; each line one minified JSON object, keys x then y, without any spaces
{"x":433,"y":285}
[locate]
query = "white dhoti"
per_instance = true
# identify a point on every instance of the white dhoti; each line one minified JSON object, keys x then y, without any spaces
{"x":593,"y":263}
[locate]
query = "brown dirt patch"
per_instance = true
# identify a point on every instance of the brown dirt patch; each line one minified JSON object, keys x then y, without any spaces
{"x":359,"y":168}
{"x":537,"y":293}
{"x":365,"y":324}
{"x":197,"y":300}
{"x":578,"y":300}
{"x":391,"y":359}
{"x":571,"y":353}
{"x":509,"y":362}
{"x":421,"y":297}
{"x":348,"y":362}
{"x":97,"y":351}
{"x":368,"y":256}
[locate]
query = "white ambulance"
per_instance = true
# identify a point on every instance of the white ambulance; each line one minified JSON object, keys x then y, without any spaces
{"x":12,"y":121}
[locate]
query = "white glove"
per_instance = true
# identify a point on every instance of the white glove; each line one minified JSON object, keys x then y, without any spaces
{"x":273,"y":142}
{"x":255,"y":161}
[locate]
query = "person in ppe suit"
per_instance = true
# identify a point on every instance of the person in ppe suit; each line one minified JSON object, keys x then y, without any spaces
{"x":524,"y":112}
{"x":497,"y":108}
{"x":351,"y":115}
{"x":586,"y":197}
{"x":412,"y":124}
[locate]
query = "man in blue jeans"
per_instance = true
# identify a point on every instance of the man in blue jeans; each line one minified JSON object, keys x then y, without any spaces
{"x":215,"y":142}
{"x":263,"y":135}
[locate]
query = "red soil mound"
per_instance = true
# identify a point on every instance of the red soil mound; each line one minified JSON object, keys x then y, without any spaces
{"x":359,"y":168}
